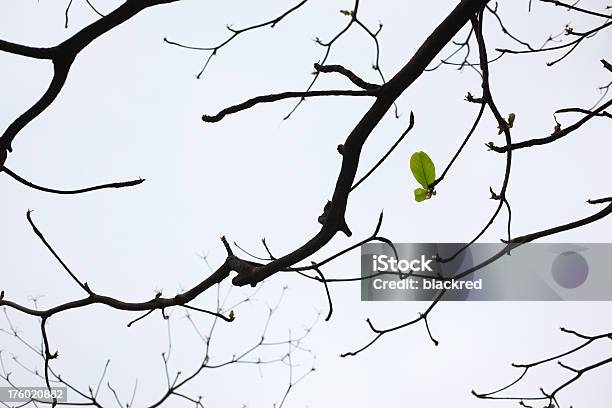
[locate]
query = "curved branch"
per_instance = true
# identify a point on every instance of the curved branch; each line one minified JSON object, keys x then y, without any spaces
{"x":572,"y":44}
{"x":63,"y":56}
{"x":558,"y":134}
{"x":505,"y":30}
{"x":57,"y":257}
{"x":573,"y":7}
{"x":279,"y":97}
{"x":467,"y":138}
{"x":495,"y":395}
{"x":381,"y":332}
{"x":382,"y":159}
{"x":585,"y":111}
{"x":347,"y":73}
{"x":487,"y":98}
{"x":60,"y":74}
{"x":27,"y":183}
{"x":329,"y":299}
{"x":565,"y":227}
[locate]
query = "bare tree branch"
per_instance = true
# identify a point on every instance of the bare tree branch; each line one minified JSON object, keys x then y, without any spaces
{"x":27,"y":183}
{"x":234,"y":33}
{"x":279,"y":97}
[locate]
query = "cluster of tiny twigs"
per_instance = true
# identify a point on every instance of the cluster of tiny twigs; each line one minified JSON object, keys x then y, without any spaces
{"x":332,"y":220}
{"x":234,"y":32}
{"x":287,"y":352}
{"x":320,"y":67}
{"x":578,"y":36}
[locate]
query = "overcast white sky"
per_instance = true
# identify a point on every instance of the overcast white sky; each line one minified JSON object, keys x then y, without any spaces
{"x":132,"y":108}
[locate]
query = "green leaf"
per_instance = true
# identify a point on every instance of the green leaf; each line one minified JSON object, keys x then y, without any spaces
{"x":345,"y":12}
{"x":420,"y":194}
{"x":423,"y":169}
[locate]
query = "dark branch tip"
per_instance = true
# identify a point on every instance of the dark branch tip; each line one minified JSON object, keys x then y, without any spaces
{"x":345,"y":229}
{"x":227,"y":246}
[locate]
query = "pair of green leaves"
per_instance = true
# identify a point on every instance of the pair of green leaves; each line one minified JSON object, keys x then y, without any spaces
{"x":424,"y":171}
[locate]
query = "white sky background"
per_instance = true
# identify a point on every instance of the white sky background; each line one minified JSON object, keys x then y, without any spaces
{"x":132,"y":108}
